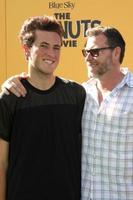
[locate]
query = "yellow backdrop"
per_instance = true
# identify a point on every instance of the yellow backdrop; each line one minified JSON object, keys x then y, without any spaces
{"x":75,"y":16}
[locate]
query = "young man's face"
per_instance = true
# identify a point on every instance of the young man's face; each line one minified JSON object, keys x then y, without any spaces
{"x":45,"y":52}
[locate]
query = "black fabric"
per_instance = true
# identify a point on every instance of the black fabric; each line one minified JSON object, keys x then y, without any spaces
{"x":44,"y":131}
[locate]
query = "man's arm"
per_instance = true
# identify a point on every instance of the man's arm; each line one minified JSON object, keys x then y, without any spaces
{"x":14,"y":85}
{"x":4,"y":148}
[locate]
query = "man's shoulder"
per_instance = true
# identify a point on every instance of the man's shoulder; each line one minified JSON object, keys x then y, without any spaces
{"x":72,"y":87}
{"x":70,"y":83}
{"x":128,"y":76}
{"x":5,"y":97}
{"x":89,"y":82}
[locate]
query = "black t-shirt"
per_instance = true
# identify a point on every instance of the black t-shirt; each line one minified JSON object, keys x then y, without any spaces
{"x":44,"y":132}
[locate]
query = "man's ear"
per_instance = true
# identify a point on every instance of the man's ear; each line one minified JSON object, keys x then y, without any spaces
{"x":117,"y":52}
{"x":26,"y":51}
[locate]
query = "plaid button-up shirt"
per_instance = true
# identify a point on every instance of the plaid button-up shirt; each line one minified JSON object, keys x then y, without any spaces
{"x":107,"y":155}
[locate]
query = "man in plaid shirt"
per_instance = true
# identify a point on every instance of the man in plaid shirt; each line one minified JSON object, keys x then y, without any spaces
{"x":107,"y":154}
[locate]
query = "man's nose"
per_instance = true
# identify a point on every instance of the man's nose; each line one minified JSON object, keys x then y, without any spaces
{"x":88,"y":56}
{"x":51,"y":52}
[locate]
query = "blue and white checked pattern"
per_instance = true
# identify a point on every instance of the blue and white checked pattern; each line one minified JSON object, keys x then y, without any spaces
{"x":107,"y":155}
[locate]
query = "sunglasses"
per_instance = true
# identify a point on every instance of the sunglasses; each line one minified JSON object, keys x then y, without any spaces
{"x":94,"y":52}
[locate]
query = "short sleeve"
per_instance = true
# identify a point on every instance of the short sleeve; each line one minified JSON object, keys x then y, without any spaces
{"x":5,"y":119}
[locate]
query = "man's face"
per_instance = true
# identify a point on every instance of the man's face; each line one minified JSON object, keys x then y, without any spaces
{"x":45,"y":52}
{"x":100,"y":63}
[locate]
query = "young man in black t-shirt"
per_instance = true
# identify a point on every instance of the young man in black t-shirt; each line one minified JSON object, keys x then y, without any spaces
{"x":40,"y":135}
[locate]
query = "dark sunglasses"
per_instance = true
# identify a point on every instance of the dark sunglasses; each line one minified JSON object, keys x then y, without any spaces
{"x":94,"y":52}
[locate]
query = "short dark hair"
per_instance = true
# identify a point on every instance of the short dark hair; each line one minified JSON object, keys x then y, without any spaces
{"x":114,"y":37}
{"x":46,"y":23}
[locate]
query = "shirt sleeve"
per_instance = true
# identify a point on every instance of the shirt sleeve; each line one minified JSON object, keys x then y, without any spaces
{"x":5,"y":119}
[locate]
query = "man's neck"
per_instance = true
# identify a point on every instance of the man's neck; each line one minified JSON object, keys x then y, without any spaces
{"x":107,"y":83}
{"x":110,"y":81}
{"x":42,"y":83}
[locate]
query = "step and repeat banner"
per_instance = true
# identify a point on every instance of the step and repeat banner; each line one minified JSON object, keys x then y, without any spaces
{"x":76,"y":16}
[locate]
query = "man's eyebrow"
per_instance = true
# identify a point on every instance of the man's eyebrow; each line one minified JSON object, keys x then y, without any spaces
{"x":45,"y":43}
{"x":55,"y":45}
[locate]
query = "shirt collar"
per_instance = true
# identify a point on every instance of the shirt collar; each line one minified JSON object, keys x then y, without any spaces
{"x":128,"y":78}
